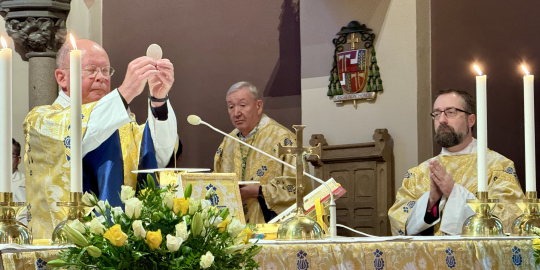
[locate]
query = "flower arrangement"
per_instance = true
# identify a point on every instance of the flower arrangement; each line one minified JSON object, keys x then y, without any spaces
{"x":158,"y":231}
{"x":536,"y":245}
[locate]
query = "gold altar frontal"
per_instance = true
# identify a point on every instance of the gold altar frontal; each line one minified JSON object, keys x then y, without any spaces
{"x":351,"y":253}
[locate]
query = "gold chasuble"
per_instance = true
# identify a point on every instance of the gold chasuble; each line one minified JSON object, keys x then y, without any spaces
{"x":47,"y":161}
{"x":278,"y":181}
{"x":502,"y":185}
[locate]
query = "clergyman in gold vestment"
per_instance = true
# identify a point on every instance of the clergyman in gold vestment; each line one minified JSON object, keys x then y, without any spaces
{"x":432,"y":198}
{"x":277,"y":189}
{"x":106,"y":118}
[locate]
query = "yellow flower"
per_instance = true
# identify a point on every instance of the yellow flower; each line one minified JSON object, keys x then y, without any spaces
{"x":181,"y":204}
{"x":536,"y":243}
{"x":116,"y":235}
{"x":223,"y":225}
{"x":153,"y":239}
{"x":244,"y":236}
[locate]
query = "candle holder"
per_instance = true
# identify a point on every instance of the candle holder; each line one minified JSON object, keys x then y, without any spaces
{"x":11,"y":230}
{"x":483,"y":223}
{"x":524,"y":224}
{"x":74,"y":209}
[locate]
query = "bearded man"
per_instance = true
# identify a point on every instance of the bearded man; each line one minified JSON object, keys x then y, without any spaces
{"x":433,"y":197}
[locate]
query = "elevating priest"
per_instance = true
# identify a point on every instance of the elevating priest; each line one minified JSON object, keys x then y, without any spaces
{"x":113,"y":144}
{"x":432,"y":199}
{"x":277,"y":189}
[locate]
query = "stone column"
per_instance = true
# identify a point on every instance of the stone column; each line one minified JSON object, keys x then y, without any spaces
{"x":38,"y":29}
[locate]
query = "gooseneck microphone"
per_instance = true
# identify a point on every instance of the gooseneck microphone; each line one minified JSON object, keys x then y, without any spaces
{"x":195,"y":120}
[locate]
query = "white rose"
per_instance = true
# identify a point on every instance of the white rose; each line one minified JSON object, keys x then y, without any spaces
{"x":173,"y":243}
{"x":217,"y":221}
{"x":77,"y":225}
{"x":133,"y":208}
{"x":181,"y":230}
{"x":117,"y":212}
{"x":205,"y":204}
{"x":102,"y":206}
{"x":235,"y":227}
{"x":88,"y":199}
{"x":194,"y":206}
{"x":207,"y":260}
{"x":138,"y":229}
{"x":126,"y":193}
{"x":168,"y":200}
{"x":96,"y":227}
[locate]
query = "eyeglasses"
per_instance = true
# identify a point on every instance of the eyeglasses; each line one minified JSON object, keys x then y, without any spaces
{"x":91,"y":72}
{"x":450,"y":113}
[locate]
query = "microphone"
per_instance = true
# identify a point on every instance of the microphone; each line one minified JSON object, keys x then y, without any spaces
{"x":195,"y":120}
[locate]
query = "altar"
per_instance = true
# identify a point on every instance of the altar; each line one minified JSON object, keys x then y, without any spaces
{"x":380,"y":253}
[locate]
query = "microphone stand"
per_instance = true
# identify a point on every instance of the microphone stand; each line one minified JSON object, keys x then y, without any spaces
{"x":195,"y":120}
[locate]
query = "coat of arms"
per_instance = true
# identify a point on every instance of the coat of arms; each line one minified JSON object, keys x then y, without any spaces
{"x":355,"y":70}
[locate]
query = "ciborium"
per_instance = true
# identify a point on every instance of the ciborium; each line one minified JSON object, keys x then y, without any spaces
{"x":483,"y":223}
{"x":524,"y":224}
{"x":299,"y":227}
{"x":12,"y":231}
{"x":74,"y":209}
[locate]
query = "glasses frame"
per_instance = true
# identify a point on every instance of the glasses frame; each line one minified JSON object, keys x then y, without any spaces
{"x":436,"y":117}
{"x":111,"y":72}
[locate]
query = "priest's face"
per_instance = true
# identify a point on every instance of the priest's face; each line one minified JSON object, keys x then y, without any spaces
{"x":244,"y":110}
{"x":93,"y":58}
{"x":451,"y":131}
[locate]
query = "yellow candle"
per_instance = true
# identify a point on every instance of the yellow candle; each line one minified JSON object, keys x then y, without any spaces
{"x":5,"y":117}
{"x":76,"y":117}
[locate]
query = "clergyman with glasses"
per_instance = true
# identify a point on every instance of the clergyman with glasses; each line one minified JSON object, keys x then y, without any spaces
{"x":113,"y":143}
{"x":432,"y":198}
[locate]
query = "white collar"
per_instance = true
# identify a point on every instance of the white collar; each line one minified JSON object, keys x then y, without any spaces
{"x":63,"y":99}
{"x":470,"y":149}
{"x":262,"y":123}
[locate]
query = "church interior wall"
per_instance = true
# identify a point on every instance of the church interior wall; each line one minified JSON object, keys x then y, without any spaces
{"x":499,"y":35}
{"x":212,"y":45}
{"x":395,"y":24}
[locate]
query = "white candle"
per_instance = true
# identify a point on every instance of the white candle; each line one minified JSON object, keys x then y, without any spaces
{"x":5,"y":117}
{"x":76,"y":117}
{"x":481,"y":127}
{"x":530,"y":153}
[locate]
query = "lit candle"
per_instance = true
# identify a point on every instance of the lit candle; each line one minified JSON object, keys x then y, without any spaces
{"x":530,"y":153}
{"x":481,"y":127}
{"x":5,"y":117}
{"x":75,"y":89}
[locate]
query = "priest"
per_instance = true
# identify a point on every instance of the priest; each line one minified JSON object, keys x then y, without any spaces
{"x":433,"y":197}
{"x":113,"y":144}
{"x":277,"y":189}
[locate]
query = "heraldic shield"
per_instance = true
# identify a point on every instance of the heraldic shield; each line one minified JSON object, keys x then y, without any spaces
{"x":352,"y":69}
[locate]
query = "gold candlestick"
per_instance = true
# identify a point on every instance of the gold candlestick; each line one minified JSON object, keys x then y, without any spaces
{"x":74,"y":209}
{"x":524,"y":224}
{"x":483,"y":223}
{"x":12,"y":231}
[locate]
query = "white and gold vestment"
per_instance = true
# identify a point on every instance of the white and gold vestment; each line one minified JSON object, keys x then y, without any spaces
{"x":407,"y":213}
{"x":278,"y":181}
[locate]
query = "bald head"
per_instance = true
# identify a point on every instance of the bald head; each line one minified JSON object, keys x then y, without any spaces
{"x":93,"y":58}
{"x":62,"y":57}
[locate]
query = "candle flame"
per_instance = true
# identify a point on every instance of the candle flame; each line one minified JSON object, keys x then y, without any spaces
{"x":478,"y":70}
{"x":73,"y":44}
{"x":3,"y":41}
{"x":525,"y":70}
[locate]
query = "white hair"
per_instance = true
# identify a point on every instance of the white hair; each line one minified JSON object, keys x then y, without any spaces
{"x":240,"y":85}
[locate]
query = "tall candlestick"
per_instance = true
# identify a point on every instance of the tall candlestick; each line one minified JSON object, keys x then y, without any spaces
{"x":5,"y":116}
{"x":76,"y":117}
{"x":530,"y":153}
{"x":481,"y":127}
